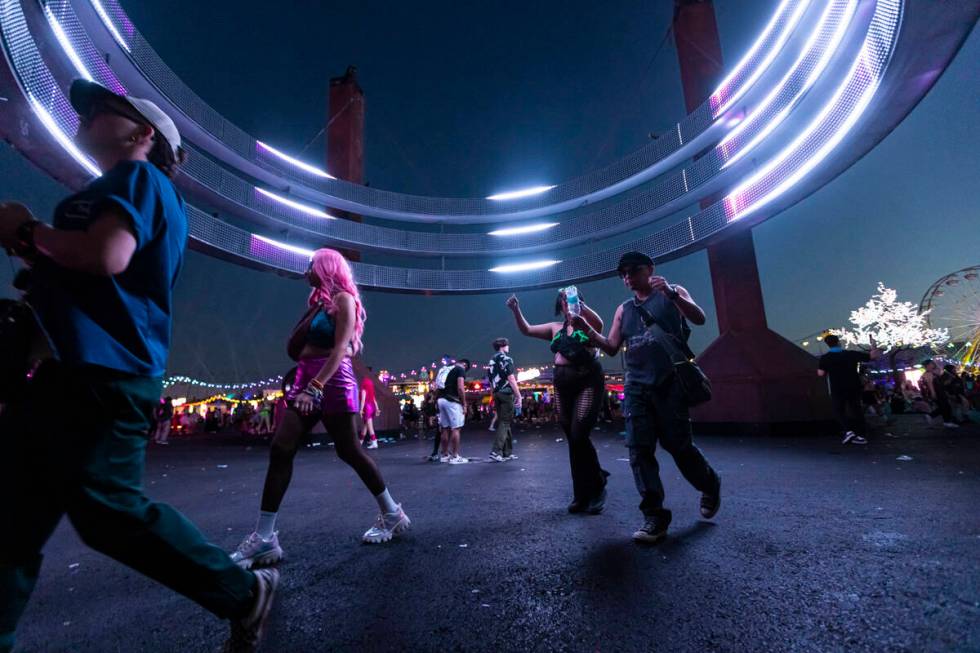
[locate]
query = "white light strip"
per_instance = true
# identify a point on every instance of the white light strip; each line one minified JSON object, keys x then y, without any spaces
{"x":69,"y":146}
{"x":527,"y":229}
{"x":288,"y":248}
{"x":521,"y":267}
{"x":308,"y":210}
{"x":66,"y":45}
{"x":761,"y":67}
{"x":516,"y":194}
{"x":296,"y":162}
{"x":100,"y":10}
{"x":825,"y":58}
{"x":826,"y":148}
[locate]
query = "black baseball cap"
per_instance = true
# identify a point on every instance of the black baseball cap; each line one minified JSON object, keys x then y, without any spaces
{"x":632,"y":259}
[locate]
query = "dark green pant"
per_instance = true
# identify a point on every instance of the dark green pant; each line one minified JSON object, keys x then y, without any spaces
{"x":503,"y":442}
{"x":75,"y":446}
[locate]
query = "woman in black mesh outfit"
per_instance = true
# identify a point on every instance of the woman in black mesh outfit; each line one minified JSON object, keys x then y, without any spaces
{"x":579,"y":388}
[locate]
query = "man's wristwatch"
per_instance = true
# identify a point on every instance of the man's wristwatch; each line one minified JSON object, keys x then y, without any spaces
{"x":672,"y":293}
{"x":25,"y":247}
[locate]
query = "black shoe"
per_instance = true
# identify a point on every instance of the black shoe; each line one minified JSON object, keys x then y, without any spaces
{"x":710,"y":503}
{"x":597,"y":503}
{"x":654,"y":530}
{"x":577,"y":506}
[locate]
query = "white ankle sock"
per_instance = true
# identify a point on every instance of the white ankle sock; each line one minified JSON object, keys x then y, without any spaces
{"x":386,"y":503}
{"x":267,"y":524}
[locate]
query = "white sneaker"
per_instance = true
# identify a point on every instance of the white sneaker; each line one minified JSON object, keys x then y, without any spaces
{"x":434,"y":458}
{"x":373,"y":445}
{"x":857,"y":439}
{"x":257,"y":552}
{"x":445,"y":459}
{"x":496,"y":457}
{"x":388,"y":525}
{"x":951,"y":425}
{"x":511,"y":457}
{"x":850,"y":435}
{"x":458,"y":460}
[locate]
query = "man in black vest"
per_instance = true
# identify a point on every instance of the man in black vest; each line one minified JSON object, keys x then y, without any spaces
{"x":656,"y":409}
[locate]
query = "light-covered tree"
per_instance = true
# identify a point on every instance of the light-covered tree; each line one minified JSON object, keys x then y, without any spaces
{"x":893,"y":325}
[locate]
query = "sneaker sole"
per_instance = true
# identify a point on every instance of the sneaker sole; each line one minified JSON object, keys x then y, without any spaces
{"x":265,"y":560}
{"x":649,"y":539}
{"x":398,"y":529}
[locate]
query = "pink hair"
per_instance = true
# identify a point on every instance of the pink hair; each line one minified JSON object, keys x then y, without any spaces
{"x":333,"y":276}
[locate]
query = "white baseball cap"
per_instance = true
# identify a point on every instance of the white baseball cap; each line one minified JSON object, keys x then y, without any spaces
{"x":85,"y":94}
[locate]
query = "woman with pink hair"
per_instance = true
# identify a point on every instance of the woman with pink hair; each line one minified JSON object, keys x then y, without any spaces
{"x":324,"y":389}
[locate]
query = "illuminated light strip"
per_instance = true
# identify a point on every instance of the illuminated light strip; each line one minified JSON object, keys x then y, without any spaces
{"x":828,"y":53}
{"x":527,"y":229}
{"x":66,"y":46}
{"x":308,"y":210}
{"x":521,"y":267}
{"x":69,"y":146}
{"x":289,"y":248}
{"x":516,"y":194}
{"x":864,"y":72}
{"x":296,"y":162}
{"x":720,"y":105}
{"x":100,"y":10}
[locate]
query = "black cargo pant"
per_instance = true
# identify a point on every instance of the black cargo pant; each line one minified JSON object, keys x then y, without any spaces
{"x":660,"y":414}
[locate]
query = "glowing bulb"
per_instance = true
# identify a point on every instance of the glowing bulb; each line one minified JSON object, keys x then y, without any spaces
{"x":517,"y":194}
{"x":296,"y":162}
{"x":527,"y":229}
{"x":309,"y":210}
{"x":521,"y":267}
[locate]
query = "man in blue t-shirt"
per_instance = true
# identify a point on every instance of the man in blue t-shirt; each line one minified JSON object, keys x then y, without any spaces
{"x":101,"y":283}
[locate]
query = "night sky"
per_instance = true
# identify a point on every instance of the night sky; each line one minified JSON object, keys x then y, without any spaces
{"x":467,"y":98}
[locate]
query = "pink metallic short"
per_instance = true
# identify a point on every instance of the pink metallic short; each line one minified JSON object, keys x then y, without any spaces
{"x":339,"y":392}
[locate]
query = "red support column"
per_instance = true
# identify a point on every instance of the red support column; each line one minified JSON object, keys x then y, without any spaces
{"x":345,"y":137}
{"x":762,"y":382}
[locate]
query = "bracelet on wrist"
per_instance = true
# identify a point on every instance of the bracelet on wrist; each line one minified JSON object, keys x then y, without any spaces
{"x":316,"y":383}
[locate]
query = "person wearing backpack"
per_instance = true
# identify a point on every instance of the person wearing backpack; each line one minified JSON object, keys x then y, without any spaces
{"x":451,"y":390}
{"x":656,"y":406}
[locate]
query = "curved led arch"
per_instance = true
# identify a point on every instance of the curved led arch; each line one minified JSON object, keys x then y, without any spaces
{"x":603,"y":184}
{"x":813,"y":154}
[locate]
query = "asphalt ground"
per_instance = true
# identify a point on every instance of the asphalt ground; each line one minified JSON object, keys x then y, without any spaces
{"x":817,"y":547}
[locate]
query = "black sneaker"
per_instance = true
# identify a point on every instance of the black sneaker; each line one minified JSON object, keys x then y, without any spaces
{"x":710,"y":503}
{"x":577,"y":506}
{"x":597,"y":503}
{"x":246,"y":632}
{"x":654,"y":530}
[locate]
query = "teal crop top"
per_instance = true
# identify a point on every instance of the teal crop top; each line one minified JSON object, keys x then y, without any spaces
{"x":322,"y":331}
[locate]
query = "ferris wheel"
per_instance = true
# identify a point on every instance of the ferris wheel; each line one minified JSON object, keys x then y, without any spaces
{"x":953,"y":303}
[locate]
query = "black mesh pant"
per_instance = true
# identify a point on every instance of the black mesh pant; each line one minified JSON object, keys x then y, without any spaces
{"x":578,"y":391}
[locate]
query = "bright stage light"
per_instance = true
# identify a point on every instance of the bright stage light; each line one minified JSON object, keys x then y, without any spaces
{"x":309,"y":210}
{"x":66,"y":45}
{"x":517,"y":194}
{"x":528,"y":375}
{"x":100,"y":10}
{"x":289,"y":248}
{"x":296,"y":162}
{"x":521,"y":267}
{"x":63,"y":139}
{"x":527,"y":229}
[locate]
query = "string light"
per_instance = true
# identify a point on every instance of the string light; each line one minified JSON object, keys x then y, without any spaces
{"x":186,"y":380}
